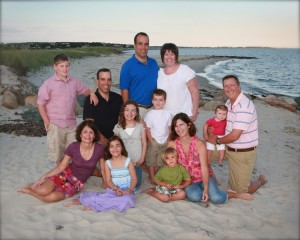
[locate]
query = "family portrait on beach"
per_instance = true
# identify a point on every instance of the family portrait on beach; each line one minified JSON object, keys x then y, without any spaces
{"x":153,"y":119}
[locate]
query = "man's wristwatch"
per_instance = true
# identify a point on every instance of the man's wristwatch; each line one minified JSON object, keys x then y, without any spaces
{"x":217,"y":141}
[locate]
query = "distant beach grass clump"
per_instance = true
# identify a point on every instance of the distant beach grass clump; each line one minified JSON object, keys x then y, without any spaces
{"x":21,"y":61}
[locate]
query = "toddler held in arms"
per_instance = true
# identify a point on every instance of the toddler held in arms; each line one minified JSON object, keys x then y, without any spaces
{"x":217,"y":125}
{"x":171,"y":179}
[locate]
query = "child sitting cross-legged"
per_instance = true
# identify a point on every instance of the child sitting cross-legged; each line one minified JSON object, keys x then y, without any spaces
{"x":170,"y":179}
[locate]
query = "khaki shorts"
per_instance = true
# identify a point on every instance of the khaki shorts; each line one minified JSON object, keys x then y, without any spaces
{"x":143,"y":112}
{"x":241,"y":165}
{"x":154,"y":154}
{"x":58,"y":139}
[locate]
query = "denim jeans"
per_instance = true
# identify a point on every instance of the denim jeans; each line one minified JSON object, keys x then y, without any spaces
{"x":195,"y":190}
{"x":139,"y":172}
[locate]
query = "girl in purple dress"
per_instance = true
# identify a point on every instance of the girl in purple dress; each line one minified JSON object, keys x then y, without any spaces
{"x":120,"y":178}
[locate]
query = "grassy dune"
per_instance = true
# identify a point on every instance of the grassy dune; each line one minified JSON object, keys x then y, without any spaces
{"x":22,"y":60}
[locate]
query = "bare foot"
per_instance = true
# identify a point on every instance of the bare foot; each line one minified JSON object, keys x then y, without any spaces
{"x":25,"y":190}
{"x":153,"y":183}
{"x":262,"y":179}
{"x":73,"y":202}
{"x":87,"y":208}
{"x":148,"y":191}
{"x":239,"y":195}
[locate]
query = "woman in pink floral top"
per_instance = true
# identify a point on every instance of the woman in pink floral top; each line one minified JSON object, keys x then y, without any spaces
{"x":192,"y":155}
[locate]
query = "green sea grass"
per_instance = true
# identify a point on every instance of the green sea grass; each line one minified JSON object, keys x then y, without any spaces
{"x":21,"y":61}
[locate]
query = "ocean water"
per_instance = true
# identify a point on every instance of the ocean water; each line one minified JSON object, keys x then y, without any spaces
{"x":273,"y":71}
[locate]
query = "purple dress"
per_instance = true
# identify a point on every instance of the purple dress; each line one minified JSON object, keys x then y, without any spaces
{"x":102,"y":202}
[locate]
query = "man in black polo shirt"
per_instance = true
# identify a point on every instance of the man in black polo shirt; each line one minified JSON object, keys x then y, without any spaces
{"x":106,"y":113}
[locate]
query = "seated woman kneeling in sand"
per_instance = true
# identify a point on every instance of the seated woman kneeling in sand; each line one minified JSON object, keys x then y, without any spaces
{"x":78,"y":164}
{"x":192,"y":156}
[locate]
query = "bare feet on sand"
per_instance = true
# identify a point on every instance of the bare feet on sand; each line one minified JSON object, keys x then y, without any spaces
{"x":25,"y":190}
{"x":87,"y":208}
{"x":239,"y":195}
{"x":148,"y":190}
{"x":262,"y":179}
{"x":73,"y":202}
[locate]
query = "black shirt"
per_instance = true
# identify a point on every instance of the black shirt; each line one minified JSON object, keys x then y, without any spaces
{"x":105,"y":113}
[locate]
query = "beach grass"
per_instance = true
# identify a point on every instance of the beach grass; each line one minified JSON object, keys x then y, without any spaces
{"x":21,"y":61}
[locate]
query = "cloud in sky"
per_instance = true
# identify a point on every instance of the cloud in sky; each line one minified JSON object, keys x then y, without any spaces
{"x":186,"y":23}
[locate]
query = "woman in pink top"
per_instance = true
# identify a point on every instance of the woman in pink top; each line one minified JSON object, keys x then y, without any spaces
{"x":193,"y":156}
{"x":78,"y":164}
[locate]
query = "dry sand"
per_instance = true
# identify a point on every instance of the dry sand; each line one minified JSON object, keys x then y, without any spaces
{"x":273,"y":214}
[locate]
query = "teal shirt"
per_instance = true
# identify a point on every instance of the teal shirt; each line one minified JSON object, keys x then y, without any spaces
{"x":172,"y":175}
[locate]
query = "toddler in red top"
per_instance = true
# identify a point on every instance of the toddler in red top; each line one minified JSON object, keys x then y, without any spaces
{"x":217,"y":127}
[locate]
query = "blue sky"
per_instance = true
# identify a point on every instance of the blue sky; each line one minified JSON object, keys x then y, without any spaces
{"x":185,"y":23}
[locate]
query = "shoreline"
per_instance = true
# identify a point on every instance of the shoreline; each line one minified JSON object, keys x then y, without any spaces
{"x":87,"y":66}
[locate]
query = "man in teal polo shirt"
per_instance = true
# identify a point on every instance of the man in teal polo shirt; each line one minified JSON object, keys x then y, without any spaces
{"x":138,"y":77}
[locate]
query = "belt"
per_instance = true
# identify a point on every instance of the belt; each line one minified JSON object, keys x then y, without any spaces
{"x":144,"y":106}
{"x":240,"y":149}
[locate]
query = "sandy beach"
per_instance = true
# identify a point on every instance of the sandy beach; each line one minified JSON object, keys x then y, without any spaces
{"x":273,"y":214}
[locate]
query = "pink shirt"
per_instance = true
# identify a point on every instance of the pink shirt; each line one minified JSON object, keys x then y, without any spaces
{"x":242,"y":115}
{"x":59,"y":98}
{"x":219,"y":126}
{"x":191,"y":162}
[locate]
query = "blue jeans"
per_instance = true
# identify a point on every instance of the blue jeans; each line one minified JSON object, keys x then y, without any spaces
{"x":139,"y":172}
{"x":195,"y":190}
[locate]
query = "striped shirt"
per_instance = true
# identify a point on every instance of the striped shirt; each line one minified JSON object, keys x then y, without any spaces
{"x":242,"y":115}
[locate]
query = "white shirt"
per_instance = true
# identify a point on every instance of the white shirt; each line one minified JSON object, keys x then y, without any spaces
{"x":179,"y":98}
{"x":159,"y":121}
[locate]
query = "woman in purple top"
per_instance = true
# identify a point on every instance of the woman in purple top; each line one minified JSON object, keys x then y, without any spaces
{"x":77,"y":166}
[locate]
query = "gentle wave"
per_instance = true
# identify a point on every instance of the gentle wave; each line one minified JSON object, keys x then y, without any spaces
{"x":273,"y":71}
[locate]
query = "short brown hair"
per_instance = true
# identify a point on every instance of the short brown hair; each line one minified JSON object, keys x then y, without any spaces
{"x":231,"y":76}
{"x":138,"y":34}
{"x":159,"y":92}
{"x":169,"y":47}
{"x":169,"y":151}
{"x":102,"y":70}
{"x":221,"y":107}
{"x":60,"y":58}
